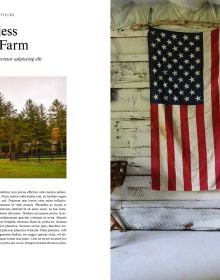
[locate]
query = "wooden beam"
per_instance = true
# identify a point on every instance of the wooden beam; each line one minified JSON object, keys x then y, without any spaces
{"x":131,"y":100}
{"x":129,"y":57}
{"x":132,"y":46}
{"x":145,"y":193}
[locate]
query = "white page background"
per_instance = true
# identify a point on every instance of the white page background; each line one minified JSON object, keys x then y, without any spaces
{"x":73,"y":39}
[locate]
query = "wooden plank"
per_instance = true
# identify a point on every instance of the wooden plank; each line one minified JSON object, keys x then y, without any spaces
{"x":129,"y":57}
{"x":185,"y":25}
{"x":188,"y":26}
{"x":169,"y":218}
{"x":130,"y":133}
{"x":197,"y":27}
{"x":214,"y":204}
{"x":123,"y":33}
{"x":129,"y":140}
{"x":122,"y":140}
{"x":132,"y":46}
{"x":131,"y":100}
{"x":131,"y":152}
{"x":126,"y":139}
{"x":129,"y":72}
{"x":130,"y":85}
{"x":142,"y":193}
{"x":131,"y":125}
{"x":136,"y":165}
{"x":130,"y":115}
{"x":129,"y":67}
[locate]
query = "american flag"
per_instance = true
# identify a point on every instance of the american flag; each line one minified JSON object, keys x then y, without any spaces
{"x":184,"y":110}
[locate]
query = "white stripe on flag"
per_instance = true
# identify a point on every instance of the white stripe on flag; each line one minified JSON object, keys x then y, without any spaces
{"x":208,"y":110}
{"x":193,"y":138}
{"x":163,"y":148}
{"x":178,"y":148}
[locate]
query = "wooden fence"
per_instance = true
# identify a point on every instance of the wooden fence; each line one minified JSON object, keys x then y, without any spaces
{"x":39,"y":156}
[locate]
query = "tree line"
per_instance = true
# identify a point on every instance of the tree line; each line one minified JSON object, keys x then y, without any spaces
{"x":34,"y":129}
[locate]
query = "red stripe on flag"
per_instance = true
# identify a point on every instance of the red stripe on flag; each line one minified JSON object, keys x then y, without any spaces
{"x":155,"y":148}
{"x":215,"y":101}
{"x":186,"y":158}
{"x":202,"y":152}
{"x":170,"y":148}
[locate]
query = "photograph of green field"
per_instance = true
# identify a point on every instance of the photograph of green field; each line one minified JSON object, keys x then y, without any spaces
{"x":32,"y":169}
{"x":33,"y":127}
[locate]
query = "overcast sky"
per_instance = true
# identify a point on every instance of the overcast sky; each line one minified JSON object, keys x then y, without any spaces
{"x":40,"y":89}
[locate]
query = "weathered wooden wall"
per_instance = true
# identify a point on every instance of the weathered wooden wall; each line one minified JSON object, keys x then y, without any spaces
{"x":130,"y":100}
{"x":135,"y":204}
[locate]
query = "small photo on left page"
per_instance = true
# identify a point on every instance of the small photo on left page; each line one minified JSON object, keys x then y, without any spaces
{"x":33,"y":127}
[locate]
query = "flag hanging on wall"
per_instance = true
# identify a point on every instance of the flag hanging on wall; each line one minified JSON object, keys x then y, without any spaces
{"x":184,"y":110}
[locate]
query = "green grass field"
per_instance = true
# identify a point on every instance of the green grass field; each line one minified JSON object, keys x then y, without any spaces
{"x":32,"y":169}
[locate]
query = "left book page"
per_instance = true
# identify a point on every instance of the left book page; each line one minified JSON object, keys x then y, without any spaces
{"x":34,"y":153}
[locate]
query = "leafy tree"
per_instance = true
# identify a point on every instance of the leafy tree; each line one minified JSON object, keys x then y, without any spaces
{"x":10,"y":124}
{"x":2,"y":105}
{"x":34,"y":128}
{"x":42,"y":130}
{"x":57,"y":119}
